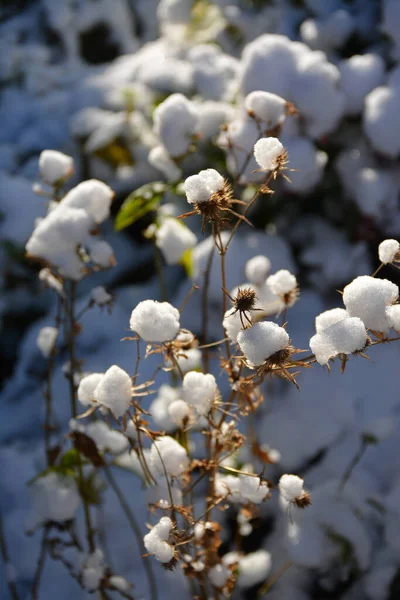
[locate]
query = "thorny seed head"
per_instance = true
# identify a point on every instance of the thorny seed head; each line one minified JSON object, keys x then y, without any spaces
{"x":303,"y":501}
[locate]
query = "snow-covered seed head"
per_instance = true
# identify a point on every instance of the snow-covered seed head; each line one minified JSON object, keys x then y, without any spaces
{"x":270,"y":154}
{"x":389,"y":251}
{"x":368,"y":298}
{"x":284,"y":285}
{"x":266,"y":107}
{"x":200,"y":390}
{"x":210,"y":194}
{"x":157,"y":541}
{"x":55,"y":167}
{"x":292,"y":491}
{"x":155,"y":321}
{"x":114,"y":391}
{"x":264,"y":341}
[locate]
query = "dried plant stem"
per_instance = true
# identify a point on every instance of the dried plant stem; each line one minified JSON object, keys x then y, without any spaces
{"x":135,"y":528}
{"x":204,"y":308}
{"x":48,"y":423}
{"x":273,"y":579}
{"x":40,"y":565}
{"x":6,"y":560}
{"x":352,"y":465}
{"x":69,"y":327}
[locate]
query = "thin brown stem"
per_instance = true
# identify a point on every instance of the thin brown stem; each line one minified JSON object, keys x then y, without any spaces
{"x":204,"y":308}
{"x":352,"y":465}
{"x":6,"y":561}
{"x":135,"y":529}
{"x":40,"y":566}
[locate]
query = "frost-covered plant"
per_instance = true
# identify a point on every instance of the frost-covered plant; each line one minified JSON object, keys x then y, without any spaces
{"x":218,"y":124}
{"x":199,"y":435}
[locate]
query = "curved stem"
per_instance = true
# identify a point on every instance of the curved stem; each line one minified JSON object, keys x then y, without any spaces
{"x":135,"y":528}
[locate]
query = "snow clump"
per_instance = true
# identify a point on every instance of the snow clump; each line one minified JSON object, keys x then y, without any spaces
{"x":175,"y":122}
{"x":199,"y":390}
{"x":114,"y":391}
{"x":267,"y":152}
{"x":261,"y":341}
{"x":266,"y":107}
{"x":344,"y":336}
{"x":55,"y":498}
{"x":156,"y":541}
{"x":174,"y":238}
{"x":155,"y":321}
{"x":46,"y":340}
{"x":257,"y":269}
{"x":200,"y":188}
{"x":388,"y":250}
{"x":55,"y":167}
{"x":169,"y":454}
{"x":367,"y":298}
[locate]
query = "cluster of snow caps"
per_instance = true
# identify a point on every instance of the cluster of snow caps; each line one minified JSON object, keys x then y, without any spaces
{"x":368,"y":299}
{"x":111,"y":390}
{"x":68,"y":224}
{"x":388,"y":251}
{"x":155,"y":321}
{"x":274,"y":63}
{"x":167,"y":455}
{"x":261,"y":341}
{"x":55,"y":167}
{"x":156,"y":541}
{"x":55,"y":498}
{"x":200,"y":188}
{"x":267,"y":152}
{"x":173,"y":238}
{"x":199,"y":391}
{"x":242,"y":489}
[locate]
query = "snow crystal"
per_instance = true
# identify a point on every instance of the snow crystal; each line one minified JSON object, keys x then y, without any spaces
{"x":261,"y":341}
{"x":267,"y":152}
{"x":155,"y":321}
{"x":114,"y":391}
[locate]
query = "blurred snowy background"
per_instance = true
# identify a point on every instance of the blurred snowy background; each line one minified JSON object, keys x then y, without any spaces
{"x":84,"y":77}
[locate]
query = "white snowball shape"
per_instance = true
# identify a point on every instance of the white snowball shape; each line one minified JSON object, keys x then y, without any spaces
{"x":267,"y":151}
{"x":155,"y":321}
{"x":261,"y":341}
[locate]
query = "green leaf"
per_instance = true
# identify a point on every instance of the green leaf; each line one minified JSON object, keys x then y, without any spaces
{"x":70,"y":459}
{"x":139,"y":203}
{"x":187,"y":262}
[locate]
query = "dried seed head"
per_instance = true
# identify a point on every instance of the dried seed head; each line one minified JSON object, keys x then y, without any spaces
{"x":245,"y":299}
{"x":303,"y":501}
